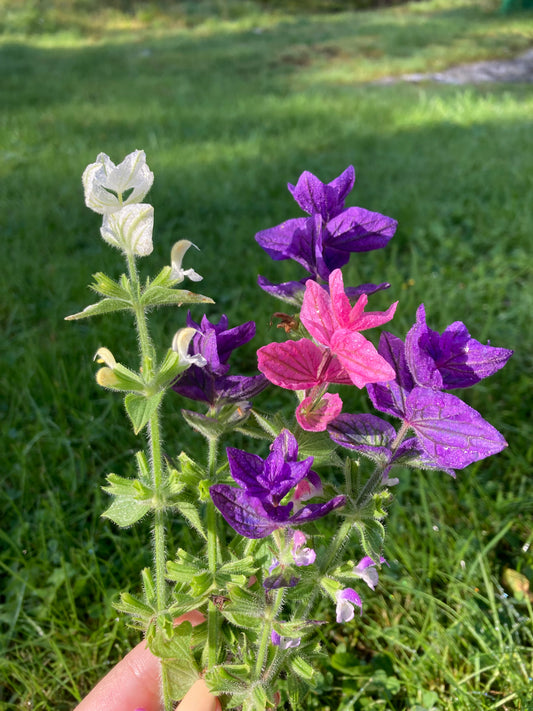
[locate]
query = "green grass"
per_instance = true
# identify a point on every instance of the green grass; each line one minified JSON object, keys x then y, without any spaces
{"x":230,"y":107}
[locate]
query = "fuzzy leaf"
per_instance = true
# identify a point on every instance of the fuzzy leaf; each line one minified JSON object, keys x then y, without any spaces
{"x":126,"y":510}
{"x":141,"y":408}
{"x":189,"y":511}
{"x":302,"y":668}
{"x":227,"y":679}
{"x":105,"y":306}
{"x":155,"y":295}
{"x":105,"y":286}
{"x":372,"y":536}
{"x":131,"y":605}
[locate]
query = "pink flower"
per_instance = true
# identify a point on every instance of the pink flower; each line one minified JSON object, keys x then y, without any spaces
{"x":315,"y":413}
{"x":341,"y":354}
{"x":334,"y":323}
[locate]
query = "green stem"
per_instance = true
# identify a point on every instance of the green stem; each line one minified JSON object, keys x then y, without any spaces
{"x":156,"y":460}
{"x":329,"y":558}
{"x":212,"y":558}
{"x":271,"y":614}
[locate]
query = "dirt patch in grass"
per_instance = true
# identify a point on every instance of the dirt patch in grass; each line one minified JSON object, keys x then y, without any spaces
{"x":519,"y":69}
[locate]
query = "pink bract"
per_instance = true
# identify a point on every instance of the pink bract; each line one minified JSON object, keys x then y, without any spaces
{"x":316,"y":416}
{"x":324,"y":314}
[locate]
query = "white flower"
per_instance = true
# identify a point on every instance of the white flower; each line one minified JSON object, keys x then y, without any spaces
{"x":105,"y":183}
{"x":347,"y":599}
{"x":176,"y":258}
{"x":180,"y":344}
{"x":130,"y":229}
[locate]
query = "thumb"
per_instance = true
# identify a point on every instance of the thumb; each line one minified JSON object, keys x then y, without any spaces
{"x":199,"y":698}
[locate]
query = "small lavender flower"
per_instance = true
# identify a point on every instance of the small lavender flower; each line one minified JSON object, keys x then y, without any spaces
{"x":254,"y":509}
{"x":347,"y":599}
{"x":284,"y":642}
{"x":366,"y":570}
{"x":301,"y":556}
{"x":210,"y":383}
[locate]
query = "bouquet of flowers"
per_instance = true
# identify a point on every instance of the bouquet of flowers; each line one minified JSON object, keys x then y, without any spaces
{"x":266,"y":553}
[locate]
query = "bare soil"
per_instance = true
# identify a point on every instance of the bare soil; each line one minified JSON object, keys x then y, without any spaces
{"x":519,"y":69}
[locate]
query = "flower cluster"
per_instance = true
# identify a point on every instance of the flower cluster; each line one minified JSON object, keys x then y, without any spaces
{"x":259,"y":505}
{"x":116,"y":192}
{"x":340,"y":354}
{"x":246,"y":588}
{"x":449,"y":434}
{"x":324,"y":241}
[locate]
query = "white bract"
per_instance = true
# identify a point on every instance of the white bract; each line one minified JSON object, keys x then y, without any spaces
{"x":106,"y":184}
{"x":130,"y":229}
{"x":180,"y":344}
{"x":176,"y":258}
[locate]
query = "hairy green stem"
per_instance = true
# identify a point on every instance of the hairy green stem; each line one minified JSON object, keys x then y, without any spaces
{"x":212,"y":558}
{"x":271,"y":614}
{"x":156,"y":460}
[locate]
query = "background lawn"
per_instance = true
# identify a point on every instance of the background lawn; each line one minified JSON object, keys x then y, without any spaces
{"x":231,"y":100}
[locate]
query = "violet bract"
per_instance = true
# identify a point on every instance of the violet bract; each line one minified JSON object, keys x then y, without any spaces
{"x":325,"y":240}
{"x":254,"y":509}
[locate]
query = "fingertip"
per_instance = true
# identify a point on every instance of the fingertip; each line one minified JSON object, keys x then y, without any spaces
{"x":199,"y":698}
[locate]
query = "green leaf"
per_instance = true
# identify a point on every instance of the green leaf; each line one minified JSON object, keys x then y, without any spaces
{"x":177,"y":661}
{"x":189,"y":511}
{"x":202,"y":583}
{"x":141,"y":408}
{"x":105,"y":306}
{"x":272,"y":425}
{"x":372,"y":535}
{"x":131,"y":605}
{"x":302,"y":668}
{"x":208,"y":427}
{"x":228,"y":679}
{"x":155,"y":295}
{"x":189,"y":471}
{"x":105,"y":286}
{"x":184,"y":567}
{"x":126,"y":510}
{"x":244,"y":609}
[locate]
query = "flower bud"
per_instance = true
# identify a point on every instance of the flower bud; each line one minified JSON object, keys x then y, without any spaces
{"x":176,"y":258}
{"x":180,"y":344}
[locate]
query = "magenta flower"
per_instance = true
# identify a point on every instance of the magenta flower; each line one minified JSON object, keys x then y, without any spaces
{"x":334,"y":323}
{"x":342,"y":355}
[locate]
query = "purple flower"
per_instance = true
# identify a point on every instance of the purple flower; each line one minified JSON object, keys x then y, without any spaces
{"x":347,"y":599}
{"x":324,"y":241}
{"x":326,"y":199}
{"x":451,"y":360}
{"x":366,"y":570}
{"x":255,"y":508}
{"x":449,"y":433}
{"x":211,"y":384}
{"x":284,"y":642}
{"x":301,"y":556}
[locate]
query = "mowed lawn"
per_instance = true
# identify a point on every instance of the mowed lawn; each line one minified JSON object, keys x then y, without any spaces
{"x":229,"y":107}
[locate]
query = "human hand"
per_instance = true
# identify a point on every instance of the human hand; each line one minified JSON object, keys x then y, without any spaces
{"x":134,"y":684}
